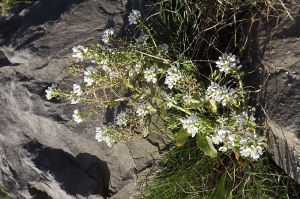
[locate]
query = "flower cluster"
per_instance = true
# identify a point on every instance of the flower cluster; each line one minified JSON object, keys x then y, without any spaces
{"x":228,"y":63}
{"x":102,"y":134}
{"x":134,"y":17}
{"x":188,"y":99}
{"x":50,"y":92}
{"x":163,"y":48}
{"x":173,"y":76}
{"x":170,"y":101}
{"x":77,"y":90}
{"x":88,"y":75}
{"x":77,"y":116}
{"x":220,"y":94}
{"x":191,"y":124}
{"x":235,"y":135}
{"x":150,"y":74}
{"x":224,"y":135}
{"x":144,"y":110}
{"x":77,"y":52}
{"x":142,"y":40}
{"x":106,"y":34}
{"x":242,"y":119}
{"x":252,"y":146}
{"x":122,"y":119}
{"x":135,"y":69}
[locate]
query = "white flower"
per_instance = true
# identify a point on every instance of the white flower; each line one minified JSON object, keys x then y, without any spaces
{"x":223,"y":135}
{"x":173,"y":76}
{"x":252,"y":146}
{"x":104,"y":66}
{"x":170,"y":101}
{"x":134,"y":69}
{"x":138,"y":67}
{"x":134,"y":16}
{"x":50,"y":92}
{"x":255,"y":152}
{"x":74,"y":101}
{"x":188,"y":100}
{"x":121,"y":119}
{"x":243,"y":140}
{"x":245,"y":151}
{"x":191,"y":124}
{"x":144,"y":110}
{"x":150,"y":74}
{"x":231,"y":137}
{"x":101,"y":135}
{"x":241,"y":119}
{"x":252,"y":118}
{"x":88,"y":75}
{"x":77,"y":90}
{"x":142,"y":39}
{"x":216,"y":139}
{"x":163,"y":48}
{"x":220,"y":94}
{"x":106,"y":34}
{"x":113,"y":74}
{"x":228,"y":63}
{"x":77,"y":117}
{"x":222,"y":121}
{"x":223,"y":149}
{"x":77,"y":52}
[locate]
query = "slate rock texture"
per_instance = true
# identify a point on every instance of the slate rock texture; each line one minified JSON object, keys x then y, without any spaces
{"x":44,"y":153}
{"x":275,"y":52}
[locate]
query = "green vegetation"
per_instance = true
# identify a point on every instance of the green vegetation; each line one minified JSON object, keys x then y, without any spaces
{"x":185,"y":172}
{"x":179,"y":65}
{"x":7,"y":4}
{"x":3,"y":194}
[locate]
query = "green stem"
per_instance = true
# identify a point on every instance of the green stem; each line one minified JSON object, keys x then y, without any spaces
{"x":157,"y":98}
{"x":149,"y":33}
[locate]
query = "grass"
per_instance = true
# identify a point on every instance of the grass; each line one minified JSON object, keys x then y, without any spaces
{"x":3,"y":194}
{"x":185,"y":172}
{"x":8,"y":4}
{"x":200,"y":31}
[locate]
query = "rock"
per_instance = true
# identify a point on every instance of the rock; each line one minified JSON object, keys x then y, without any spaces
{"x":275,"y":51}
{"x":44,"y":153}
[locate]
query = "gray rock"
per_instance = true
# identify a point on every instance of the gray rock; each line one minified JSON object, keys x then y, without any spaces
{"x":44,"y":153}
{"x":274,"y":50}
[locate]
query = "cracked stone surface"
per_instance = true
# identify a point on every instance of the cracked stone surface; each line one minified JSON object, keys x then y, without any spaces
{"x":274,"y":51}
{"x":44,"y":153}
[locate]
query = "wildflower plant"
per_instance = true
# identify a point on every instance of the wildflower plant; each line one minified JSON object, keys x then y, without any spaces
{"x":142,"y":74}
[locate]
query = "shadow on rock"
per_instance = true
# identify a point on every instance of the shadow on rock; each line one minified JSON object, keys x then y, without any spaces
{"x":84,"y":174}
{"x":42,"y":11}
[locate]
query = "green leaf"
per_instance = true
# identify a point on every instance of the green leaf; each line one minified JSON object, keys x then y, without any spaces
{"x":182,"y":137}
{"x":222,"y":191}
{"x":206,"y":145}
{"x":163,"y":112}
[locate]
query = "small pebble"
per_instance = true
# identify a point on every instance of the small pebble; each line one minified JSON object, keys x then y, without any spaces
{"x":289,"y":84}
{"x":286,"y":72}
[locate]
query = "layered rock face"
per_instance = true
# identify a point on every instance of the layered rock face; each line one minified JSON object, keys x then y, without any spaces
{"x":44,"y":153}
{"x":274,"y":47}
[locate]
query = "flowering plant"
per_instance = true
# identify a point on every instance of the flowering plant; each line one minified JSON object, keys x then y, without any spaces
{"x":143,"y":75}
